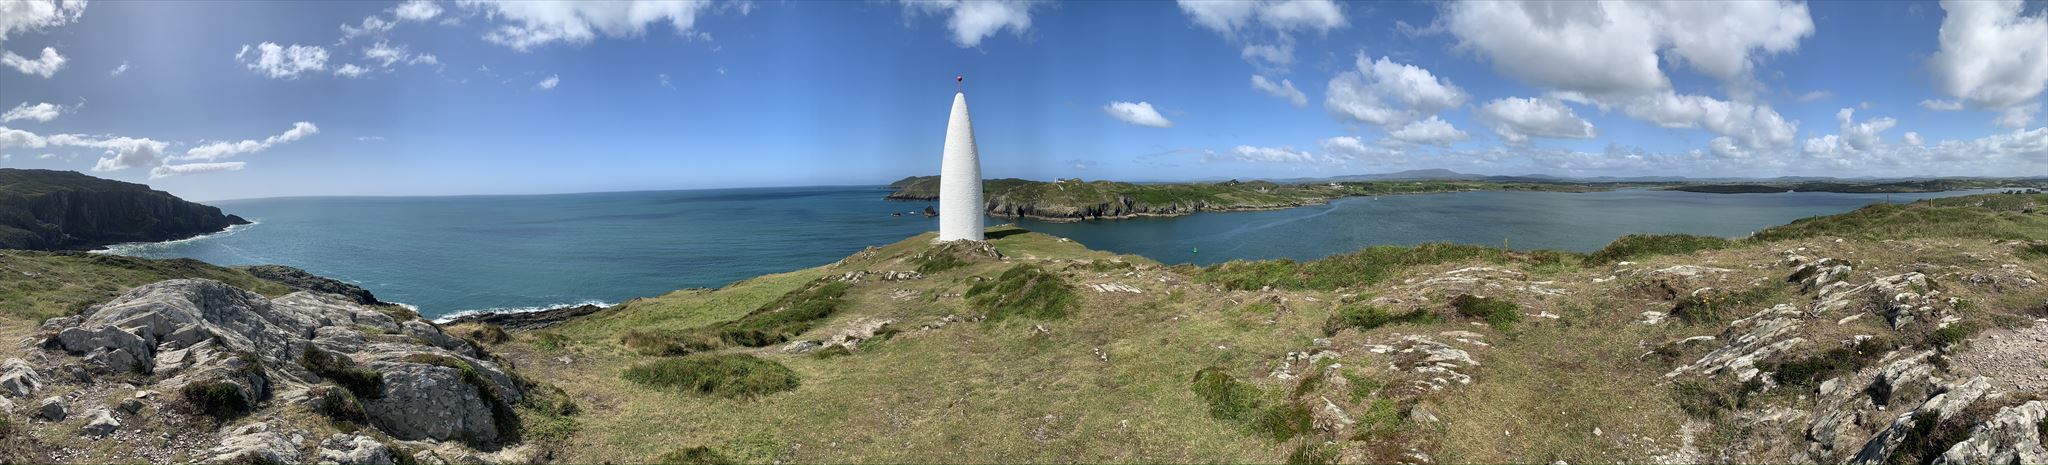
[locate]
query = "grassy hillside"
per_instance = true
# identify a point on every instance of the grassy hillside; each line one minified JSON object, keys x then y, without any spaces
{"x":41,"y":285}
{"x":1074,"y":199}
{"x":1057,"y":353}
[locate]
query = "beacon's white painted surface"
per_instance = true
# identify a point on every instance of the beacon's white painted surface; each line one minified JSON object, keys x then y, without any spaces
{"x":960,"y":206}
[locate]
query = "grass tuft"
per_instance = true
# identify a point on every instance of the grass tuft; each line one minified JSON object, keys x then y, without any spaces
{"x":1713,"y":306}
{"x":1026,"y":291}
{"x":363,"y":382}
{"x":1953,"y":334}
{"x":785,"y":318}
{"x":1811,"y":371}
{"x":1362,"y":268}
{"x":667,"y":342}
{"x":1500,"y":314}
{"x":1364,"y":317}
{"x":699,"y":455}
{"x":221,"y":400}
{"x":339,"y":404}
{"x":1240,"y":402}
{"x":722,"y":375}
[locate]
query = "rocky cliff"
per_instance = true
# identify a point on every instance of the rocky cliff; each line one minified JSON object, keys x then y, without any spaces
{"x":64,"y":210}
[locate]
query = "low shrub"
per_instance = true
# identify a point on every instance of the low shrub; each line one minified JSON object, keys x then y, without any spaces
{"x":481,"y":333}
{"x":1953,"y":334}
{"x":1284,"y":421}
{"x":2034,"y":251}
{"x":699,"y":455}
{"x":1365,"y":317}
{"x":1812,"y":370}
{"x":1712,"y":306}
{"x":363,"y":382}
{"x":831,"y":352}
{"x":1500,"y":314}
{"x":221,"y":400}
{"x":794,"y":313}
{"x":1024,"y":291}
{"x":1636,"y":246}
{"x":337,"y":403}
{"x":667,"y":343}
{"x":936,"y":261}
{"x":1707,"y":399}
{"x":723,"y":375}
{"x":1313,"y":453}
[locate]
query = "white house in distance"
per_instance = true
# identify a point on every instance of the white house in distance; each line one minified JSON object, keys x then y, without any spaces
{"x":960,"y":206}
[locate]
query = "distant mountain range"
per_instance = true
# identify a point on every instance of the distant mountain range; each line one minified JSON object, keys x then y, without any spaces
{"x":1439,"y":174}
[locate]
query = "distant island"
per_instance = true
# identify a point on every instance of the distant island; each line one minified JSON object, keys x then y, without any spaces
{"x":1077,"y":200}
{"x":1900,"y":187}
{"x":67,"y":210}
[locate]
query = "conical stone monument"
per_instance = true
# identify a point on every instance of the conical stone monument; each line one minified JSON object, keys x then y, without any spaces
{"x":960,"y":206}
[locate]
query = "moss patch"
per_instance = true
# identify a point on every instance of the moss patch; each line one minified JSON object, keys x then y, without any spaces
{"x":1240,"y":402}
{"x":363,"y":382}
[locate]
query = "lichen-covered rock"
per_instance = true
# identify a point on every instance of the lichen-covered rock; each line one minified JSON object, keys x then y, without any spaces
{"x":100,"y":422}
{"x":2012,"y":436}
{"x":52,"y":408}
{"x":18,"y":378}
{"x":353,"y":449}
{"x":254,"y":443}
{"x":439,"y":397}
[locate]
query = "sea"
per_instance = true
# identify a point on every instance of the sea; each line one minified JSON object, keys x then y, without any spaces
{"x":461,"y":254}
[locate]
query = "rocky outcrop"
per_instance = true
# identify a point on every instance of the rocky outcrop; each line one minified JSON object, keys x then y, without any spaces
{"x":301,"y":280}
{"x":224,"y":351}
{"x":255,"y":443}
{"x":65,"y":210}
{"x":523,"y":321}
{"x":353,"y":449}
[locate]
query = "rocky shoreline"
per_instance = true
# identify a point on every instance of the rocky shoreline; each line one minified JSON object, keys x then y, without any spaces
{"x":522,"y":321}
{"x":63,"y":210}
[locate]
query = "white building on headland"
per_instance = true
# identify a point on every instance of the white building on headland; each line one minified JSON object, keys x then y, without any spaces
{"x":960,"y":206}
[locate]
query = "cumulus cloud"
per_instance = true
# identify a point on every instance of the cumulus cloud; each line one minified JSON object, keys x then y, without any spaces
{"x":371,"y":26}
{"x":165,"y":171}
{"x":549,"y":83}
{"x":1991,"y":54}
{"x":1430,"y":131}
{"x":417,"y":10}
{"x":1913,"y":139}
{"x":1386,"y":93}
{"x":1516,"y":120}
{"x":350,"y":70}
{"x":1941,"y":105}
{"x":281,"y":62}
{"x":1755,"y":126}
{"x":224,"y":149}
{"x":385,"y":54}
{"x":119,"y":70}
{"x":1140,"y":113}
{"x":1266,"y":27}
{"x":974,"y":20}
{"x":41,"y":112}
{"x":1348,"y":148}
{"x":2017,"y":116}
{"x":23,"y":16}
{"x":1274,"y":155}
{"x":45,"y":66}
{"x":1284,"y":90}
{"x":120,"y":152}
{"x":530,"y":24}
{"x":1611,"y":48}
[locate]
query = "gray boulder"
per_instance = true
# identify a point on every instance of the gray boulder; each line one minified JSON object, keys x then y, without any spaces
{"x":52,"y":408}
{"x":353,"y":449}
{"x":2012,"y":436}
{"x":254,"y":443}
{"x":100,"y":422}
{"x":427,"y":401}
{"x":18,"y":378}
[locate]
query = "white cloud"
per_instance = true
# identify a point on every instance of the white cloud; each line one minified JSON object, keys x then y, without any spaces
{"x":1913,"y":139}
{"x":19,"y":16}
{"x":417,"y":10}
{"x":1232,"y":17}
{"x":1815,"y":96}
{"x":119,"y":70}
{"x":350,"y":70}
{"x":1284,"y":89}
{"x":224,"y":149}
{"x":1610,"y":48}
{"x":1430,"y":131}
{"x":537,"y":23}
{"x":165,"y":171}
{"x":1140,"y":113}
{"x":1278,"y":155}
{"x":663,"y":78}
{"x":1756,"y":126}
{"x":1266,"y":27}
{"x":280,"y":62}
{"x":121,"y":152}
{"x":1386,"y":93}
{"x":41,"y":112}
{"x":549,"y":83}
{"x":1941,"y":105}
{"x":1865,"y":135}
{"x":1355,"y":149}
{"x":1515,"y":120}
{"x":2017,"y":116}
{"x":371,"y":26}
{"x":1991,"y":55}
{"x":44,"y":66}
{"x":974,"y":20}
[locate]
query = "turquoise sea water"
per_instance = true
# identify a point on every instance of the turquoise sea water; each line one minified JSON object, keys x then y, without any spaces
{"x":452,"y":254}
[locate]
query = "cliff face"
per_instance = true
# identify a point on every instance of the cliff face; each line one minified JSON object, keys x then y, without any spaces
{"x":59,"y":210}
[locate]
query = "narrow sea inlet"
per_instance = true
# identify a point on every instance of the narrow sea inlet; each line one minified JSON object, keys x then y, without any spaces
{"x":453,"y":254}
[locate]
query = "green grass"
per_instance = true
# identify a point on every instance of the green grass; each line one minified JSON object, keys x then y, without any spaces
{"x":1365,"y":317}
{"x":1357,"y":269}
{"x":1987,"y":216}
{"x":43,"y":285}
{"x":722,"y":375}
{"x":2033,"y":251}
{"x":362,"y":382}
{"x":1243,"y":403}
{"x":785,"y":318}
{"x":699,"y":455}
{"x":1953,"y":334}
{"x":1810,"y":371}
{"x":1709,"y":398}
{"x":1500,"y":314}
{"x":668,"y":342}
{"x":1714,"y":306}
{"x":1024,"y":291}
{"x":221,"y":400}
{"x":1637,"y":246}
{"x":339,"y":404}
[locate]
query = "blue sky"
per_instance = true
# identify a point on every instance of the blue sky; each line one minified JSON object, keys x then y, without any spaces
{"x":214,"y":100}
